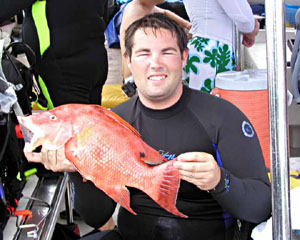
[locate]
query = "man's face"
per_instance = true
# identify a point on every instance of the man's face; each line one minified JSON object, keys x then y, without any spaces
{"x":156,"y":65}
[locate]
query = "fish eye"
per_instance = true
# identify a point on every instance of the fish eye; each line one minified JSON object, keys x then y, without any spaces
{"x":53,"y":117}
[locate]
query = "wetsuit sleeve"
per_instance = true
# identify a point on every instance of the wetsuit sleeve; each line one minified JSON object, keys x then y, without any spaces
{"x":244,"y":190}
{"x":93,"y":205}
{"x":9,"y":8}
{"x":241,"y":14}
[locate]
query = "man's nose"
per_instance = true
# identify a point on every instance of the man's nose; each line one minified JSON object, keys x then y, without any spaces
{"x":155,"y":61}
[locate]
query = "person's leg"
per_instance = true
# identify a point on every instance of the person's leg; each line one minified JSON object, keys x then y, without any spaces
{"x":151,"y":227}
{"x":77,"y":78}
{"x":105,"y":235}
{"x":102,"y":71}
{"x":207,"y":58}
{"x":93,"y":205}
{"x":201,"y":64}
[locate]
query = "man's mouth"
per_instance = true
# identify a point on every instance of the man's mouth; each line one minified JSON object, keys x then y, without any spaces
{"x":157,"y":77}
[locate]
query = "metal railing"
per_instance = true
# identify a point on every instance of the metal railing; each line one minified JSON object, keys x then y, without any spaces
{"x":279,"y":154}
{"x":277,"y":84}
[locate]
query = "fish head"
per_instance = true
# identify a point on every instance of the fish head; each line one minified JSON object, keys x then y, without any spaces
{"x":50,"y":129}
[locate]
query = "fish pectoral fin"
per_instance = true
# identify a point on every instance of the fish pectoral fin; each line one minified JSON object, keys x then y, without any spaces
{"x":150,"y":156}
{"x":144,"y":159}
{"x":121,"y":195}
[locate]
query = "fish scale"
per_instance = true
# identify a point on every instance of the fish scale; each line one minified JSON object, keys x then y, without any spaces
{"x":108,"y":151}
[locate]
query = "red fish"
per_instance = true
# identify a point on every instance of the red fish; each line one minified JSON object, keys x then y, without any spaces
{"x":106,"y":150}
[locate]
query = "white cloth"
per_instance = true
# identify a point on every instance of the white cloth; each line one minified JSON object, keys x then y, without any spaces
{"x":214,"y":19}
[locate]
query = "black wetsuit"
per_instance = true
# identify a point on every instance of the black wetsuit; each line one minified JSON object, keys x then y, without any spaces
{"x":204,"y":123}
{"x":74,"y":67}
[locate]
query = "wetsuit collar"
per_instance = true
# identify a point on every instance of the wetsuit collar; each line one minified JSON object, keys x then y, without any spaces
{"x":170,"y":111}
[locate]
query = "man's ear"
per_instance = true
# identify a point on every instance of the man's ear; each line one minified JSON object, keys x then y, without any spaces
{"x":128,"y":60}
{"x":184,"y":57}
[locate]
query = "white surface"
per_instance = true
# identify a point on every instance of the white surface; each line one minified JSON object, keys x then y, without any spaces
{"x":256,"y":56}
{"x":250,"y":79}
{"x":295,"y":164}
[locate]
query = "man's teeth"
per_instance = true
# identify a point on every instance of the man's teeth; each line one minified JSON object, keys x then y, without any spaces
{"x":157,"y":77}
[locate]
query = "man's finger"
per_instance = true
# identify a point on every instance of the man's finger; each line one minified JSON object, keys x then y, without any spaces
{"x":193,"y":174}
{"x":191,"y":166}
{"x":52,"y":157}
{"x":33,"y":157}
{"x":194,"y":157}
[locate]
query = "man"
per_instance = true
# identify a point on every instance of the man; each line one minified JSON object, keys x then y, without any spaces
{"x":222,"y":170}
{"x":135,"y":10}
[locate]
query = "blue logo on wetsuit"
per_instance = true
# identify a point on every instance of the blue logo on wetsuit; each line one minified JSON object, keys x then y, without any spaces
{"x":247,"y":129}
{"x":168,"y":156}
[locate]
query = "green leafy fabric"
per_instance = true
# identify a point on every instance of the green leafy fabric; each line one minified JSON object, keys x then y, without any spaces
{"x":207,"y":58}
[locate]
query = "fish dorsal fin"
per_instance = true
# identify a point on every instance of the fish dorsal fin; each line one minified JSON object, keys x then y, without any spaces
{"x":118,"y":119}
{"x":146,"y":153}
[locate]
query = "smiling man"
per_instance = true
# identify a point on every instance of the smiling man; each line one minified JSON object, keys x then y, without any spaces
{"x":222,"y":171}
{"x":156,"y":62}
{"x":137,"y":9}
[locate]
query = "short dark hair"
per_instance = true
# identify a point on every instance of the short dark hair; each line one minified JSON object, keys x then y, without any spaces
{"x":155,"y":21}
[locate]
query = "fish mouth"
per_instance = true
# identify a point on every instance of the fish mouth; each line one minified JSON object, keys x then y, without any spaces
{"x":26,"y":133}
{"x":37,"y":135}
{"x":31,"y":135}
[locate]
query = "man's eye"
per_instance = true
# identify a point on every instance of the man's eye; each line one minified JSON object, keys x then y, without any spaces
{"x":169,"y":53}
{"x":142,"y":54}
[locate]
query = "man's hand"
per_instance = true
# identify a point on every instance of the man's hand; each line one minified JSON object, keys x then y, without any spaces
{"x":249,"y":38}
{"x":199,"y":168}
{"x":54,"y":160}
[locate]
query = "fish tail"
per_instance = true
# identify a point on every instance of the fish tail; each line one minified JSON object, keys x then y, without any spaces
{"x":168,"y":181}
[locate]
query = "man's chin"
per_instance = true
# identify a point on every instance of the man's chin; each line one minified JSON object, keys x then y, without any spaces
{"x":157,"y":97}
